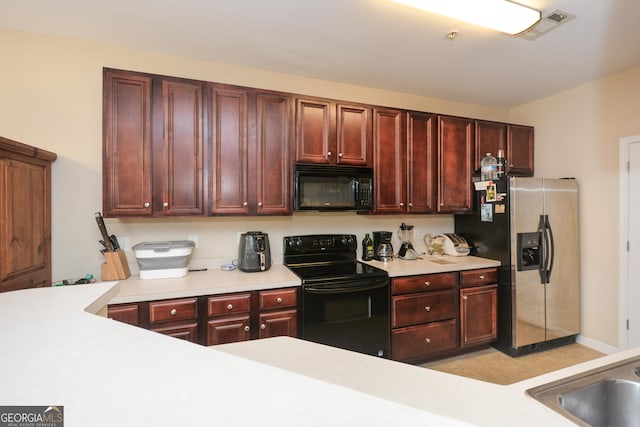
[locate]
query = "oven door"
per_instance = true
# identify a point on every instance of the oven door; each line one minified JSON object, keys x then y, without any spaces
{"x":350,"y":315}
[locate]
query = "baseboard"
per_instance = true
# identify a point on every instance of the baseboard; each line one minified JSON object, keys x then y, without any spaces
{"x":596,"y":345}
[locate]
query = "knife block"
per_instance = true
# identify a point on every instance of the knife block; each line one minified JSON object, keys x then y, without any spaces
{"x":115,"y":266}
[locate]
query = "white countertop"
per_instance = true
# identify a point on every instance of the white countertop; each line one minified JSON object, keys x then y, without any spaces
{"x":56,"y":352}
{"x":216,"y":281}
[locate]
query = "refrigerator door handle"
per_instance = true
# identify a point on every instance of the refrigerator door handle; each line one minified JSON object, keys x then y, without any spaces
{"x":544,"y":247}
{"x":552,"y":253}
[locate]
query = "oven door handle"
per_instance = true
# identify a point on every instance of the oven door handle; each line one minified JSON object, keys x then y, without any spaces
{"x":344,"y":289}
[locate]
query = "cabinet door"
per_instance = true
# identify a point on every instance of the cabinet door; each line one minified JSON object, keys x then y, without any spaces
{"x":388,"y":161}
{"x":421,"y":162}
{"x":279,"y":323}
{"x":273,"y":151}
{"x":25,"y":223}
{"x":314,"y":134}
{"x":182,"y":150}
{"x":478,"y":315}
{"x":353,"y":135}
{"x":229,"y":186}
{"x":520,"y":150}
{"x":455,"y":148}
{"x":127,"y":168}
{"x":186,"y":331}
{"x":226,"y":330}
{"x":126,"y":313}
{"x":490,"y":137}
{"x":423,"y":341}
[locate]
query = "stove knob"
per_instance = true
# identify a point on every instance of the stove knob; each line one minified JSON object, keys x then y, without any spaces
{"x":299,"y":243}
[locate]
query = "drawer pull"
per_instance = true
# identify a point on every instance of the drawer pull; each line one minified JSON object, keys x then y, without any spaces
{"x":428,"y":340}
{"x":230,"y":307}
{"x":173,"y":312}
{"x":427,"y":308}
{"x":481,"y":277}
{"x":465,"y":297}
{"x":279,"y":300}
{"x":246,"y":329}
{"x":427,"y":284}
{"x":263,"y":326}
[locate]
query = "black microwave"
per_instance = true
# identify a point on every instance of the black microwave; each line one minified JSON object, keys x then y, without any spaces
{"x":333,"y":188}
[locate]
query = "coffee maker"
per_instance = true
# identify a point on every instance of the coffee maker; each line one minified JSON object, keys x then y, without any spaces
{"x":382,"y":248}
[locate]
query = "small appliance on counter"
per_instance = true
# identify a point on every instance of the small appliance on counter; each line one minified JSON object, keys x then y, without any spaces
{"x":454,"y":244}
{"x":163,"y":260}
{"x":254,"y":252}
{"x":383,"y":250}
{"x":406,"y":251}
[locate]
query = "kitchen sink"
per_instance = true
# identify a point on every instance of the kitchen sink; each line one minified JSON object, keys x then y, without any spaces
{"x":606,"y":396}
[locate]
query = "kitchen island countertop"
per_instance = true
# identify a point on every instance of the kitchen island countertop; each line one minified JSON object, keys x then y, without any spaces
{"x":58,"y":352}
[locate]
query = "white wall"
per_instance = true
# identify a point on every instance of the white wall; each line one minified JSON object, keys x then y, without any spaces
{"x":576,"y":134}
{"x":52,"y":98}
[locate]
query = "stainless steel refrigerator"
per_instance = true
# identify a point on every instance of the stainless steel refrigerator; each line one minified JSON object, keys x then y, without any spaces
{"x":531,"y":226}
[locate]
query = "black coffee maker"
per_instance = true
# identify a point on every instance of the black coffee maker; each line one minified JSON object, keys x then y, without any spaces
{"x":382,"y":248}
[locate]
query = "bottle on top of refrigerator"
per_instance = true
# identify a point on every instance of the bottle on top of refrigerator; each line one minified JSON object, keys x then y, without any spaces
{"x":367,"y":248}
{"x":488,"y":168}
{"x":501,"y":163}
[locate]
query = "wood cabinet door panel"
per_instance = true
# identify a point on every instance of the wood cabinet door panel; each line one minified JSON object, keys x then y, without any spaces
{"x":226,"y":330}
{"x":127,"y":160}
{"x":126,"y":313}
{"x":425,"y":282}
{"x":162,"y":311}
{"x":478,"y":315}
{"x":419,"y":342}
{"x":187,"y":331}
{"x":183,"y":149}
{"x":413,"y":309}
{"x":278,"y":298}
{"x":313,"y":131}
{"x":520,"y":142}
{"x":229,"y":192}
{"x":388,"y":160}
{"x":273,"y":154}
{"x":353,"y":135}
{"x":421,"y":162}
{"x":455,"y":147}
{"x":279,"y":323}
{"x":490,"y":137}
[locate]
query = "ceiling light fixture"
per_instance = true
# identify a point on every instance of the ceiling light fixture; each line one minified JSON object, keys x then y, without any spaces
{"x":502,"y":15}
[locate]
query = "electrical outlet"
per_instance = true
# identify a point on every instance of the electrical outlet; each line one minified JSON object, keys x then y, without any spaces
{"x":193,"y":238}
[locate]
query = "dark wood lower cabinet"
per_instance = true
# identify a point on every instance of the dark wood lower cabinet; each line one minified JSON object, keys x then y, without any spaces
{"x":188,"y":331}
{"x":478,"y":315}
{"x":227,"y":329}
{"x":126,"y":313}
{"x":417,"y":342}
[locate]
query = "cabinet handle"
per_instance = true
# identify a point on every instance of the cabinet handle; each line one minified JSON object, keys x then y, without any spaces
{"x":230,"y":307}
{"x":279,"y":300}
{"x":259,"y":204}
{"x":401,"y":204}
{"x":174,"y":312}
{"x":427,"y":284}
{"x":481,"y":277}
{"x":339,"y":154}
{"x":410,"y":204}
{"x":427,"y":308}
{"x":146,"y":204}
{"x":245,"y":203}
{"x":165,"y":205}
{"x":328,"y":153}
{"x":263,"y":326}
{"x":246,"y":329}
{"x":428,"y":340}
{"x":464,"y":297}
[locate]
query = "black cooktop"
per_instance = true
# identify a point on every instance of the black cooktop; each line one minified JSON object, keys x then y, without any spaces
{"x":327,"y":257}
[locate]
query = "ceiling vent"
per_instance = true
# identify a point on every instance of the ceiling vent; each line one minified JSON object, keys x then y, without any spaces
{"x":549,"y":22}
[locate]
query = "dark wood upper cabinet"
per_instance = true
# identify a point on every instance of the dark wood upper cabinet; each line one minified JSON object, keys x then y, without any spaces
{"x":490,"y":137}
{"x":229,"y":130}
{"x":127,"y":148}
{"x":421,"y":162}
{"x":456,"y":139}
{"x":332,"y":133}
{"x":388,"y":161}
{"x":520,"y":150}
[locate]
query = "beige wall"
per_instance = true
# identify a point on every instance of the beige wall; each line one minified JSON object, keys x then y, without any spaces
{"x":577,"y":135}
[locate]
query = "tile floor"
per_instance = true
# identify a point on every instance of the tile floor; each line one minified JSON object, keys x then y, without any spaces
{"x":493,"y":366}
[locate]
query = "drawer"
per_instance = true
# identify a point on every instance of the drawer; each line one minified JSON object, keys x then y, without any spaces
{"x":423,"y":308}
{"x":425,"y":282}
{"x":484,"y":276}
{"x":278,"y":298}
{"x":228,"y":304}
{"x":127,"y":313}
{"x":179,"y":309}
{"x":420,"y":342}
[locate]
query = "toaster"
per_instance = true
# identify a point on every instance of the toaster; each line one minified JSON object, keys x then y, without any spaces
{"x":254,"y":253}
{"x":455,"y":245}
